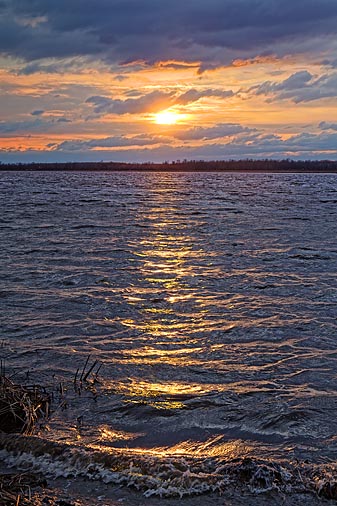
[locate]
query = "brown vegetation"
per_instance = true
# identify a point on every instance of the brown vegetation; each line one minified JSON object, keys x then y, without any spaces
{"x":16,"y":489}
{"x":20,"y":407}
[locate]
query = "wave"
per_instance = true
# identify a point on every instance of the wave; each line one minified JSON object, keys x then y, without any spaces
{"x":164,"y":472}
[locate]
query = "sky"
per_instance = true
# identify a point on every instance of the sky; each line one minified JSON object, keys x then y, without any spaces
{"x":158,"y":80}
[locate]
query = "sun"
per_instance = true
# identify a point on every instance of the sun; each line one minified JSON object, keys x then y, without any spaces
{"x":167,"y":118}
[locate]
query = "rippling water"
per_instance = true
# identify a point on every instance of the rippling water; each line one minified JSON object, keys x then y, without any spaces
{"x":209,"y":299}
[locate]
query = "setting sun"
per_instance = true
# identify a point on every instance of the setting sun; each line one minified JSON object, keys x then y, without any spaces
{"x":167,"y":118}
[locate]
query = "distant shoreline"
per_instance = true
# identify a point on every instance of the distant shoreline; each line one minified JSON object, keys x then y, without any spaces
{"x":248,"y":166}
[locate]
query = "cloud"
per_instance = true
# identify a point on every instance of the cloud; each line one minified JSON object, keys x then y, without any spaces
{"x":215,"y":132}
{"x":33,"y":43}
{"x":193,"y":134}
{"x":294,"y":82}
{"x":63,"y":120}
{"x":327,"y":126}
{"x":120,"y":78}
{"x":212,"y":32}
{"x":299,"y":87}
{"x":309,"y":142}
{"x":38,"y":124}
{"x":108,"y":41}
{"x":151,"y":102}
{"x":195,"y":95}
{"x":330,"y":62}
{"x":7,"y":127}
{"x":56,"y":66}
{"x":261,"y":145}
{"x":38,"y":112}
{"x":107,"y":142}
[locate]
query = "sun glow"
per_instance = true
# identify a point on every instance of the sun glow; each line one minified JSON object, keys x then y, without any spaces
{"x":167,"y":118}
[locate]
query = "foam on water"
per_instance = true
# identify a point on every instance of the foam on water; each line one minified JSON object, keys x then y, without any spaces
{"x":163,"y":472}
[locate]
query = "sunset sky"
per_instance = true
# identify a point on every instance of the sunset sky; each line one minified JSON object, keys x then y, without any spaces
{"x":155,"y":80}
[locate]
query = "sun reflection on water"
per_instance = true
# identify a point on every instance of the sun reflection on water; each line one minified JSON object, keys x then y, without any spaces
{"x":213,"y":447}
{"x":164,"y":299}
{"x":108,"y":434}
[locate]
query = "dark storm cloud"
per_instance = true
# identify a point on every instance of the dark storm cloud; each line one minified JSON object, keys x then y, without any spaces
{"x":33,"y":43}
{"x":151,"y":30}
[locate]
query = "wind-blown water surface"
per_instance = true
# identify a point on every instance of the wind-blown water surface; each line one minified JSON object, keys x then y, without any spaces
{"x":210,"y":299}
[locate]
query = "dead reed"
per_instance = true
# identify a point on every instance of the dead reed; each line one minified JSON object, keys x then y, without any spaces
{"x":21,"y":406}
{"x":15,"y":490}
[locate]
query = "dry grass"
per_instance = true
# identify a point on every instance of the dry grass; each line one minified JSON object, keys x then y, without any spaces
{"x":21,"y":406}
{"x":15,"y":490}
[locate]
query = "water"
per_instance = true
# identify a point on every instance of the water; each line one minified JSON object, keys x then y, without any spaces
{"x":208,"y":300}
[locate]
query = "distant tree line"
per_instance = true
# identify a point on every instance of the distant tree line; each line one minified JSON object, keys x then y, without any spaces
{"x":247,"y":165}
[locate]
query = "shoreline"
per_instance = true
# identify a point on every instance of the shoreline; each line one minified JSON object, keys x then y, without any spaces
{"x":115,"y":475}
{"x":174,"y":171}
{"x":78,"y":491}
{"x":193,"y":166}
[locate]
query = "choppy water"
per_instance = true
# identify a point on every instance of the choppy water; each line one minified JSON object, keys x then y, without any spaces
{"x":209,"y":299}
